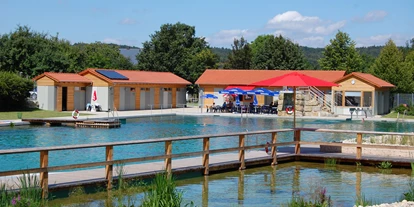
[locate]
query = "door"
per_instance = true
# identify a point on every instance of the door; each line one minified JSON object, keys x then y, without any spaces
{"x":64,"y":98}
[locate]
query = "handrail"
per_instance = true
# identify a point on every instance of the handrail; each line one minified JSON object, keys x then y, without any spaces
{"x":44,"y":169}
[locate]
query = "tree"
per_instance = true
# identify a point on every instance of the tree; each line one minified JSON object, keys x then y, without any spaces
{"x":390,"y":67}
{"x":172,"y":49}
{"x":276,"y":52}
{"x":341,"y":55}
{"x":31,"y":53}
{"x":98,"y":55}
{"x":14,"y":90}
{"x":240,"y":56}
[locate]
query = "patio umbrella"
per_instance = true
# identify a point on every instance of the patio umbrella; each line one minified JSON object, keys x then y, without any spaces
{"x":294,"y":80}
{"x":262,"y":91}
{"x":237,"y":100}
{"x":236,"y":91}
{"x":209,"y":96}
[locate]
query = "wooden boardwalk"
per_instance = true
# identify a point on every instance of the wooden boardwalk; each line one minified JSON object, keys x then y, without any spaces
{"x":220,"y":162}
{"x":205,"y":160}
{"x":82,"y":123}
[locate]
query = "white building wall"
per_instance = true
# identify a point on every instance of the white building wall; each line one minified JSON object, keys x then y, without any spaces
{"x":180,"y":97}
{"x":46,"y":96}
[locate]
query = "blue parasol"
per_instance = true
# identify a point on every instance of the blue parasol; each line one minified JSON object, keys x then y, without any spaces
{"x":263,"y":91}
{"x":211,"y":96}
{"x":237,"y":100}
{"x":237,"y":91}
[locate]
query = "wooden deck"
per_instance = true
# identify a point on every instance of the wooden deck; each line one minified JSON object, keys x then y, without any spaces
{"x":82,"y":123}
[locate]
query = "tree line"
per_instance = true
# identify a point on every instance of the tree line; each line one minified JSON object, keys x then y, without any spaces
{"x":175,"y":48}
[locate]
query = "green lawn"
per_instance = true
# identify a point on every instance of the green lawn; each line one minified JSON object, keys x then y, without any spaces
{"x":32,"y":114}
{"x":394,"y":115}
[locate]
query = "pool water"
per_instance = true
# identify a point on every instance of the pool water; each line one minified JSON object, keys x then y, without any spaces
{"x":275,"y":186}
{"x":160,"y":127}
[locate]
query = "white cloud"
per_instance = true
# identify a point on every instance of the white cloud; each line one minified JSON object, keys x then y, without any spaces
{"x":312,"y":41}
{"x":372,"y":16}
{"x":293,"y":21}
{"x":128,"y":21}
{"x":225,"y":38}
{"x":381,"y":40}
{"x":112,"y":40}
{"x":122,"y":41}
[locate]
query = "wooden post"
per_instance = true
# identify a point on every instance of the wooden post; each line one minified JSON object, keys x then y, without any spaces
{"x":274,"y":148}
{"x":359,"y":149}
{"x":241,"y":152}
{"x":168,"y":151}
{"x":109,"y":156}
{"x":44,"y":176}
{"x":206,"y":155}
{"x":297,"y":140}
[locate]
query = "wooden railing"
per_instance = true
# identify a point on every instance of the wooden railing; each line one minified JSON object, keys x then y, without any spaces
{"x":44,"y":167}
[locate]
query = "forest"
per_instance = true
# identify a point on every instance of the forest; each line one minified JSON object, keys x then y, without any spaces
{"x":26,"y":53}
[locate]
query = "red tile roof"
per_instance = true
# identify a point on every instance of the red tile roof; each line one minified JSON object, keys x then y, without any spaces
{"x":64,"y":77}
{"x":377,"y":82}
{"x":137,"y":77}
{"x":246,"y":77}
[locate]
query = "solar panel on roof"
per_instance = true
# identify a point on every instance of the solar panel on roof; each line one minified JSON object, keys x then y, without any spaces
{"x":111,"y":74}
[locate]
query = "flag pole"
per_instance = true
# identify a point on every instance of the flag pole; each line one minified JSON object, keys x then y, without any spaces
{"x":294,"y":106}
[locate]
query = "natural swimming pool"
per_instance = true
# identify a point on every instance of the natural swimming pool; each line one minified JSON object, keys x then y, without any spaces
{"x":158,"y":127}
{"x":275,"y":186}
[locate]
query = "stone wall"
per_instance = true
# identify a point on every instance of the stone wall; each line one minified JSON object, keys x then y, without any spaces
{"x":305,"y":106}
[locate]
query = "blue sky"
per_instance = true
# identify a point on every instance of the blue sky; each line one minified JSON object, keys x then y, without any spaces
{"x":310,"y":23}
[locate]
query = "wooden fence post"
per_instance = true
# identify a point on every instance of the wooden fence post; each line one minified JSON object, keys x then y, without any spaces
{"x":206,"y":155}
{"x":297,"y":140}
{"x":44,"y":176}
{"x":359,"y":149}
{"x":168,"y":151}
{"x":109,"y":156}
{"x":274,"y":148}
{"x":241,"y":152}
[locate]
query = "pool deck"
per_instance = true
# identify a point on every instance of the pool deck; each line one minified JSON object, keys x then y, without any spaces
{"x":196,"y":112}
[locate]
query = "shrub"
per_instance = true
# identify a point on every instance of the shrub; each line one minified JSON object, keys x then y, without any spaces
{"x":13,"y":91}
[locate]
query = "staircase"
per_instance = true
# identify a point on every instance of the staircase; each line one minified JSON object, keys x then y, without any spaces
{"x":318,"y":95}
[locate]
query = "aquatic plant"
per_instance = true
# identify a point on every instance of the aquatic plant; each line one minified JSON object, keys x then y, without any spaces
{"x":385,"y":165}
{"x":363,"y":201}
{"x":409,"y":196}
{"x":330,"y":162}
{"x":29,"y":193}
{"x":163,"y":192}
{"x":318,"y":198}
{"x":11,"y":124}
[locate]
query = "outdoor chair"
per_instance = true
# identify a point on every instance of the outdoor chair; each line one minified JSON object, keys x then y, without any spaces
{"x":265,"y":109}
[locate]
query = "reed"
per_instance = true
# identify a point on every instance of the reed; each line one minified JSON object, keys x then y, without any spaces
{"x":330,"y":162}
{"x":409,"y":195}
{"x":363,"y":201}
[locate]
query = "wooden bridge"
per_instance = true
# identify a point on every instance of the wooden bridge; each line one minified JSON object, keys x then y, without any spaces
{"x":245,"y":156}
{"x":83,"y":123}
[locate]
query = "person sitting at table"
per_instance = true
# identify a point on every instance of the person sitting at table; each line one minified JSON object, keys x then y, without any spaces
{"x":230,"y":106}
{"x":270,"y":107}
{"x":224,"y":107}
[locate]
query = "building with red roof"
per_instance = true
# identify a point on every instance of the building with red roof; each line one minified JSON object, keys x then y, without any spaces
{"x":110,"y":89}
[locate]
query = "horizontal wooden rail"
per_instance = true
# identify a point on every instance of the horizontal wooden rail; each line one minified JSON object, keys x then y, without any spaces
{"x":168,"y":155}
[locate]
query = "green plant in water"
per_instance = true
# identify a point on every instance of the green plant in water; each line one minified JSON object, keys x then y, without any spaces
{"x":409,"y":196}
{"x":11,"y":124}
{"x":162,"y":192}
{"x":318,"y":199}
{"x":363,"y":201}
{"x":385,"y":165}
{"x":330,"y":162}
{"x":358,"y":164}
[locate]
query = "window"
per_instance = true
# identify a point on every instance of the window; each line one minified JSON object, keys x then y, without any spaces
{"x":352,"y":98}
{"x":367,"y":99}
{"x":338,"y":98}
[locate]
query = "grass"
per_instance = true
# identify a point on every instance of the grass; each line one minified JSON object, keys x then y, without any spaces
{"x":36,"y":113}
{"x":363,"y":201}
{"x":318,"y":198}
{"x":409,"y":196}
{"x":394,"y":115}
{"x":29,"y":193}
{"x":330,"y":162}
